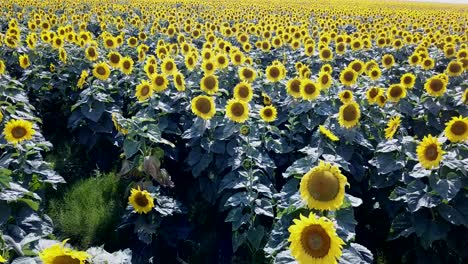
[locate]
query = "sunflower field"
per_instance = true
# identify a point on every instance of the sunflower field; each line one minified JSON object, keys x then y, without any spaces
{"x":264,"y":131}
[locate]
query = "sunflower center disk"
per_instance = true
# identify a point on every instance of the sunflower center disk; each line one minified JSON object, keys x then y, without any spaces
{"x":237,"y":109}
{"x":203,"y":105}
{"x":141,"y":200}
{"x":309,"y":89}
{"x":459,"y":128}
{"x":18,"y":132}
{"x":396,"y":91}
{"x":65,"y":260}
{"x":431,"y":152}
{"x":268,"y":113}
{"x":315,"y":241}
{"x":348,"y":76}
{"x":247,"y":74}
{"x":145,"y":90}
{"x":349,"y":113}
{"x":436,"y":85}
{"x":159,"y":80}
{"x":295,"y":86}
{"x":274,"y":72}
{"x":101,"y":71}
{"x":373,"y":93}
{"x":324,"y":186}
{"x":244,"y":92}
{"x":210,"y":83}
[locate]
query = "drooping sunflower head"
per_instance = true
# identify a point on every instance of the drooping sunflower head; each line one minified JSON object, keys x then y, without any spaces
{"x":143,"y":91}
{"x":59,"y":254}
{"x":314,"y":240}
{"x":309,"y":89}
{"x":141,"y":201}
{"x":408,"y":80}
{"x":209,"y":84}
{"x":247,"y":74}
{"x":16,"y":131}
{"x":429,"y":152}
{"x":349,"y":115}
{"x":346,"y":96}
{"x":243,"y":91}
{"x":237,"y":110}
{"x":435,"y":86}
{"x":395,"y":92}
{"x":388,"y":61}
{"x":454,"y":68}
{"x":392,"y":126}
{"x":160,"y":82}
{"x":326,"y":132}
{"x":179,"y":81}
{"x":268,"y":113}
{"x":323,"y":187}
{"x":203,"y":106}
{"x":101,"y":71}
{"x":348,"y":77}
{"x":456,"y":129}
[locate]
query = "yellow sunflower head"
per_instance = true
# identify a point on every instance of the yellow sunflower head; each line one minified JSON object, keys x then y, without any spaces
{"x":160,"y":82}
{"x":143,"y":91}
{"x":243,"y":91}
{"x":58,"y":253}
{"x":209,"y":84}
{"x":209,"y":67}
{"x":268,"y":113}
{"x":309,"y":89}
{"x":114,"y":59}
{"x":374,"y":73}
{"x":395,"y":92}
{"x":428,"y":64}
{"x":237,"y":110}
{"x":454,"y":68}
{"x":16,"y":131}
{"x":435,"y":86}
{"x":456,"y":129}
{"x":348,"y":77}
{"x":408,"y":80}
{"x":388,"y":60}
{"x":323,"y":187}
{"x":126,"y":65}
{"x":24,"y":61}
{"x":346,"y":96}
{"x":275,"y":73}
{"x":168,"y":66}
{"x":247,"y":74}
{"x":179,"y":81}
{"x":293,"y":87}
{"x":91,"y":53}
{"x":141,"y":201}
{"x":2,"y":67}
{"x":326,"y":54}
{"x":429,"y":152}
{"x":101,"y":71}
{"x":314,"y":240}
{"x":326,"y":132}
{"x":357,"y":66}
{"x":327,"y":68}
{"x":349,"y":115}
{"x":324,"y":80}
{"x":203,"y":106}
{"x":392,"y":127}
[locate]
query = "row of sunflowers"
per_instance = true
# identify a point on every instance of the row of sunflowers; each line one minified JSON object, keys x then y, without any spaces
{"x":243,"y":132}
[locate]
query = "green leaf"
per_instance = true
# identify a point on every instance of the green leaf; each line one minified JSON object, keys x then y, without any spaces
{"x":255,"y":235}
{"x":447,"y":188}
{"x":130,"y":147}
{"x":34,"y":205}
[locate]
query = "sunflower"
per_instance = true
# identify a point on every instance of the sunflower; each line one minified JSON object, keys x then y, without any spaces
{"x":323,"y":187}
{"x":428,"y":64}
{"x":357,"y":66}
{"x":237,"y":110}
{"x":101,"y":71}
{"x":2,"y":67}
{"x":324,"y":80}
{"x":16,"y":131}
{"x":293,"y":87}
{"x":268,"y":113}
{"x":309,"y":89}
{"x":392,"y":127}
{"x":374,"y":73}
{"x":274,"y":73}
{"x":84,"y":74}
{"x":109,"y":42}
{"x":408,"y":80}
{"x":414,"y":59}
{"x":58,"y":253}
{"x":243,"y":91}
{"x":126,"y":65}
{"x":141,"y":201}
{"x":24,"y":61}
{"x":2,"y":260}
{"x":456,"y":129}
{"x":435,"y":86}
{"x":388,"y":61}
{"x":464,"y":98}
{"x":326,"y":54}
{"x":429,"y":152}
{"x":326,"y":132}
{"x":160,"y":82}
{"x":314,"y":240}
{"x":179,"y":81}
{"x":454,"y":68}
{"x":114,"y":59}
{"x":349,"y":115}
{"x":348,"y":77}
{"x":143,"y":91}
{"x":395,"y":92}
{"x":372,"y":94}
{"x":327,"y":68}
{"x":346,"y":96}
{"x":91,"y":53}
{"x":208,"y":67}
{"x":204,"y":106}
{"x":209,"y":84}
{"x":381,"y":100}
{"x":150,"y":69}
{"x":247,"y":74}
